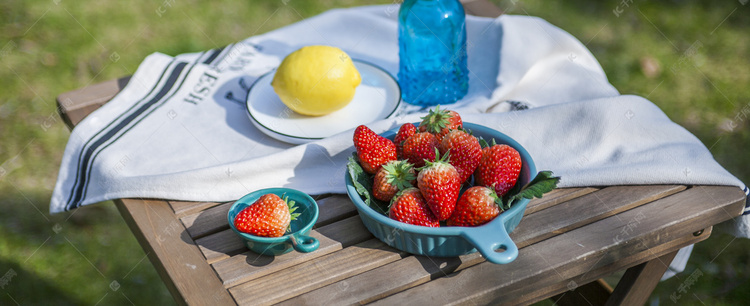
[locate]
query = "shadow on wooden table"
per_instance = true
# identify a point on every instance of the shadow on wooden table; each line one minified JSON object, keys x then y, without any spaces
{"x":439,"y":266}
{"x":260,"y":260}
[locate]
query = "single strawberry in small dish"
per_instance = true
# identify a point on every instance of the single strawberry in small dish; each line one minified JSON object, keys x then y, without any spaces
{"x":269,"y":216}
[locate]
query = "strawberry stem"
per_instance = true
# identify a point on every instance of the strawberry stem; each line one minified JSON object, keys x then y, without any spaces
{"x":400,"y":174}
{"x":436,"y":120}
{"x":445,"y":158}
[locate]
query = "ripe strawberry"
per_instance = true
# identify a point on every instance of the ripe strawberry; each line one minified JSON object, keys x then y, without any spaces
{"x":409,"y":206}
{"x":269,"y":216}
{"x":419,"y":147}
{"x":392,"y":178}
{"x":498,"y":168}
{"x":439,"y":184}
{"x":440,"y":122}
{"x":404,"y":132}
{"x":464,"y":150}
{"x":477,"y":205}
{"x":373,"y":150}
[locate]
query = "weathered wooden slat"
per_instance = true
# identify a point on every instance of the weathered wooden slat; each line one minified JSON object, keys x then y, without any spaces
{"x":220,"y":246}
{"x":383,"y":281}
{"x":584,"y":249}
{"x":535,"y":294}
{"x":75,"y":105}
{"x":316,"y":273}
{"x":177,"y":260}
{"x":335,"y":208}
{"x":555,"y":197}
{"x":209,"y":221}
{"x":183,"y":208}
{"x":587,"y":209}
{"x":250,"y":265}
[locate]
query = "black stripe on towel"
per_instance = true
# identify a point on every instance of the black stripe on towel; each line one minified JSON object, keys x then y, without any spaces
{"x":86,"y":160}
{"x":214,"y":55}
{"x":159,"y":104}
{"x":87,"y":145}
{"x":227,"y":49}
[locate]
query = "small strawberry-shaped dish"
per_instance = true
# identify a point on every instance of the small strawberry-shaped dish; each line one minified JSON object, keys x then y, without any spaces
{"x":449,"y":241}
{"x":296,"y":236}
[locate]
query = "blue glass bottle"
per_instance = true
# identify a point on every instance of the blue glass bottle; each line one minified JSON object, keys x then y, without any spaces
{"x":432,"y":52}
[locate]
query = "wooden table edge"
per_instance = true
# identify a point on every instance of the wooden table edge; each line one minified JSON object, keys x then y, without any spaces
{"x":173,"y":253}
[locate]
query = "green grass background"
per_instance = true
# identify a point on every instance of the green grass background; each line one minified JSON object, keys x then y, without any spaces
{"x":89,"y":256}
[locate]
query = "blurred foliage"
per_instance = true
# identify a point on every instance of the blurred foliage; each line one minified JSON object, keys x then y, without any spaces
{"x":89,"y":256}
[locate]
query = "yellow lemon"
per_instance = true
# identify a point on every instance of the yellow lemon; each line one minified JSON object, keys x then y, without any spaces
{"x":316,"y":80}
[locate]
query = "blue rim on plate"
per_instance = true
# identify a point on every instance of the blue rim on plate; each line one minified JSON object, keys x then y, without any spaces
{"x":453,"y":241}
{"x":297,"y":239}
{"x":273,"y":118}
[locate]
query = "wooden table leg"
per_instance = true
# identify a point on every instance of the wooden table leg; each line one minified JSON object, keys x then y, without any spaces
{"x":636,"y":286}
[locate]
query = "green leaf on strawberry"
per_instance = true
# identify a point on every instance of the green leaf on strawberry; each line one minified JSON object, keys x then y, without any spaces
{"x":363,"y":184}
{"x":484,"y":144}
{"x":543,"y":182}
{"x":292,"y":209}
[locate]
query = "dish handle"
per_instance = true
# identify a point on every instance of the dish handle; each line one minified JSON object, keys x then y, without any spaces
{"x":488,"y":239}
{"x":304,"y":244}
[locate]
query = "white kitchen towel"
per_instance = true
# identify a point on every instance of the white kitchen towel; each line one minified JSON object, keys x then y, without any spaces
{"x":179,"y":129}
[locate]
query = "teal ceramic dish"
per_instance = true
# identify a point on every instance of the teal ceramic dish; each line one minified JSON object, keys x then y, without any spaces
{"x":488,"y":239}
{"x":297,"y":239}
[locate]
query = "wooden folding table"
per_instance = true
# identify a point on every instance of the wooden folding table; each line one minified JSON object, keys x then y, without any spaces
{"x":568,"y":241}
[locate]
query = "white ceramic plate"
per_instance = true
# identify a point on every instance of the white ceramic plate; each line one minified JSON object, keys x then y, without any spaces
{"x":377,"y":97}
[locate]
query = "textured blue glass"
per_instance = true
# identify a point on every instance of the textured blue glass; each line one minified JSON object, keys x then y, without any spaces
{"x":432,"y":52}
